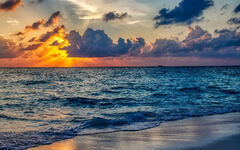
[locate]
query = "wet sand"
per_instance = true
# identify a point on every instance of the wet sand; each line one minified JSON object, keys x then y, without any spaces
{"x":218,"y":132}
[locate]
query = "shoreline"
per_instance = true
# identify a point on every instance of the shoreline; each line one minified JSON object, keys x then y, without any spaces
{"x":199,"y":133}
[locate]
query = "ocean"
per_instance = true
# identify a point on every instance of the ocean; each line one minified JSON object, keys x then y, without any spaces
{"x":43,"y":105}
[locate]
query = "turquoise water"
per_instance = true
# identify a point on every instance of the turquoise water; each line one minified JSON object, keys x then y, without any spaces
{"x":41,"y":106}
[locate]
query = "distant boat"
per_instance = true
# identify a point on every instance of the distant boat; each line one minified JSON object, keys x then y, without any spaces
{"x":160,"y":66}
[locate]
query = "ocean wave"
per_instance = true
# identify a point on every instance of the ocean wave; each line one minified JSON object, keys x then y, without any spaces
{"x":191,"y":89}
{"x":63,"y":103}
{"x":229,"y":91}
{"x":96,"y":102}
{"x":126,"y":118}
{"x":7,"y":117}
{"x":131,"y":121}
{"x":159,"y":95}
{"x":32,"y":82}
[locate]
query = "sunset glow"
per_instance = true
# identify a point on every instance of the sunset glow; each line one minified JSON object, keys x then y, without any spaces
{"x":92,"y":37}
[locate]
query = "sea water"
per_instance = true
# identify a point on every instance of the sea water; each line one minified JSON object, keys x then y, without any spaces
{"x":43,"y":105}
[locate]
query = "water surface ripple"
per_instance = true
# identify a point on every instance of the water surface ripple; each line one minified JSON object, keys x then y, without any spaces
{"x":41,"y":106}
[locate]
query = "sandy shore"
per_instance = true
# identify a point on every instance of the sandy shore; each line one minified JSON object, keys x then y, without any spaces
{"x":218,"y":132}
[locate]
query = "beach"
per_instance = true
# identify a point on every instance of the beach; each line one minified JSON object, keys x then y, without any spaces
{"x":220,"y":132}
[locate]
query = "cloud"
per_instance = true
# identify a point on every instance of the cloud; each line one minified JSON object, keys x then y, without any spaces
{"x":37,"y":1}
{"x":8,"y":49}
{"x":197,"y":33}
{"x":53,"y":20}
{"x":134,"y":22}
{"x":113,"y":16}
{"x":12,"y":21}
{"x":40,"y":1}
{"x":35,"y":26}
{"x":186,"y":12}
{"x":234,"y":20}
{"x":162,"y":48}
{"x":91,"y":17}
{"x":50,"y":34}
{"x":237,"y":9}
{"x":83,"y":5}
{"x":224,"y":7}
{"x":226,"y":39}
{"x":197,"y":38}
{"x":198,"y":43}
{"x":31,"y":47}
{"x":20,"y":33}
{"x":32,"y":39}
{"x":41,"y":45}
{"x":136,"y":46}
{"x":95,"y":43}
{"x":10,"y":5}
{"x":55,"y":43}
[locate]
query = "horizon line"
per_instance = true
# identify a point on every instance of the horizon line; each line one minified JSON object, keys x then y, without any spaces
{"x":155,"y":66}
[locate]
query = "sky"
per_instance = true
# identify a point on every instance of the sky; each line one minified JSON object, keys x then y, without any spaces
{"x":93,"y":33}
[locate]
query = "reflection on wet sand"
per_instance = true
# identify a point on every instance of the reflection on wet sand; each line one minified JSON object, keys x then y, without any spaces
{"x":174,"y":135}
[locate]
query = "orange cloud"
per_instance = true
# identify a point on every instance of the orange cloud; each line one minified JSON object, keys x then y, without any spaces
{"x":53,"y":20}
{"x":34,"y":26}
{"x":10,"y":5}
{"x":46,"y":54}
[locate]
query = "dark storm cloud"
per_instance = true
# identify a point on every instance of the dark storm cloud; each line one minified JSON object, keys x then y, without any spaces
{"x":113,"y":16}
{"x":234,"y":20}
{"x":10,"y":5}
{"x":95,"y":43}
{"x":237,"y":9}
{"x":53,"y":19}
{"x":226,"y":39}
{"x":136,"y":46}
{"x":186,"y":12}
{"x":198,"y":43}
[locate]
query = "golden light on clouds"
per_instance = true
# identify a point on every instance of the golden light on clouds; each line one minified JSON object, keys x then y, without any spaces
{"x":49,"y":53}
{"x":52,"y":54}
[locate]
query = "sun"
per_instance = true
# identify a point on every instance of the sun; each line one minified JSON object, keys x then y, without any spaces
{"x":52,"y":53}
